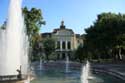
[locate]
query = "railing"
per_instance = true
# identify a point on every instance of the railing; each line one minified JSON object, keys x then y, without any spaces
{"x":67,"y":50}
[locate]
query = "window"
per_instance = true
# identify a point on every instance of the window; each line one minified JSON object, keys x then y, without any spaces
{"x":63,"y":45}
{"x":58,"y":44}
{"x":69,"y":45}
{"x":63,"y":55}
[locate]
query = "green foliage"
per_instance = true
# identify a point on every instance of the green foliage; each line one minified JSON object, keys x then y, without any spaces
{"x":37,"y":47}
{"x":3,"y":25}
{"x":106,"y":34}
{"x":33,"y":20}
{"x":49,"y":47}
{"x":81,"y":53}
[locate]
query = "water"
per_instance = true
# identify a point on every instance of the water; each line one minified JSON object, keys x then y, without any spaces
{"x":13,"y":41}
{"x":54,"y":72}
{"x":85,"y":73}
{"x":28,"y":80}
{"x":67,"y":64}
{"x":41,"y":64}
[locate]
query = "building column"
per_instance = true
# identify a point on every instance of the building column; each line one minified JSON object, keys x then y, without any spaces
{"x":60,"y":45}
{"x":66,"y":43}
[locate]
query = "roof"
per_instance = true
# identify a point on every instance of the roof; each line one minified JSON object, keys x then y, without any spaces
{"x":46,"y":35}
{"x":62,"y":27}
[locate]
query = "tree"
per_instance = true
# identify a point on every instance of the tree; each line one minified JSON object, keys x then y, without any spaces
{"x":33,"y":20}
{"x":37,"y":48}
{"x":3,"y":25}
{"x":81,"y":53}
{"x":105,"y":33}
{"x":49,"y":47}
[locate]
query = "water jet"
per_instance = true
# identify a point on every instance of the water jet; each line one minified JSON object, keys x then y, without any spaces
{"x":67,"y":64}
{"x":85,"y":73}
{"x":14,"y":46}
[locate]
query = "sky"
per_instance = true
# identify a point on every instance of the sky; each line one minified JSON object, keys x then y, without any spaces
{"x":77,"y":14}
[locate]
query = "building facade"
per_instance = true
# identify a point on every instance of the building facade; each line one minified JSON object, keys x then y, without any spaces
{"x":66,"y":41}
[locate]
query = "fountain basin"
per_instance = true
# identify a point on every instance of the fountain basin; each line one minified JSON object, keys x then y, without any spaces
{"x":12,"y":79}
{"x":54,"y":72}
{"x":9,"y":77}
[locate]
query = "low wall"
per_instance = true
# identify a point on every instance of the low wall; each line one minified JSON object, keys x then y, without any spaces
{"x":12,"y":81}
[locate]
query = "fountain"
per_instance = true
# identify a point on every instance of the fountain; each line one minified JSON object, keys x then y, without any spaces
{"x":28,"y":80}
{"x":85,"y":73}
{"x":14,"y":45}
{"x":41,"y":64}
{"x":67,"y":64}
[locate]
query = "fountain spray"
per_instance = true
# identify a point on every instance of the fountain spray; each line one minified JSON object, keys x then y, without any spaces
{"x":14,"y":43}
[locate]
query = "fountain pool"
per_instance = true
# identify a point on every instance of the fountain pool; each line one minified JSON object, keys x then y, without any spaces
{"x":54,"y":72}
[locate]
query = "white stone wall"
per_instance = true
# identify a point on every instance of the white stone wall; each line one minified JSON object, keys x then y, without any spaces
{"x":65,"y":35}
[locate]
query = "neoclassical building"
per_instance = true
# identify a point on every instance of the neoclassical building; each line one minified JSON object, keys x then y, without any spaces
{"x":66,"y":41}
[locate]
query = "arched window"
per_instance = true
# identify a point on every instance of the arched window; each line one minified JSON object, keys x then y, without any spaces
{"x":63,"y":45}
